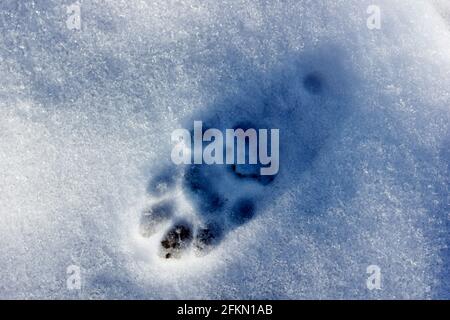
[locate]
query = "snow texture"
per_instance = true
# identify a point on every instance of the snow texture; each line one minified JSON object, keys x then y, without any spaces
{"x":86,"y":118}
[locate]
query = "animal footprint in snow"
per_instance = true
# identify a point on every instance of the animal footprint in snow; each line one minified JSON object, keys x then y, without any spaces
{"x":201,"y":203}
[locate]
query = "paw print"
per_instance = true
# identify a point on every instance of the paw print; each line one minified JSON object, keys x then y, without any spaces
{"x":200,"y":205}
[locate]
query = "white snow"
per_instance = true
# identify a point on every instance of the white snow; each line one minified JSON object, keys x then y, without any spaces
{"x":86,"y":118}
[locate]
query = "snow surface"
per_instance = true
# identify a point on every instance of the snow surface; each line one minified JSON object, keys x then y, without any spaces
{"x":86,"y":118}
